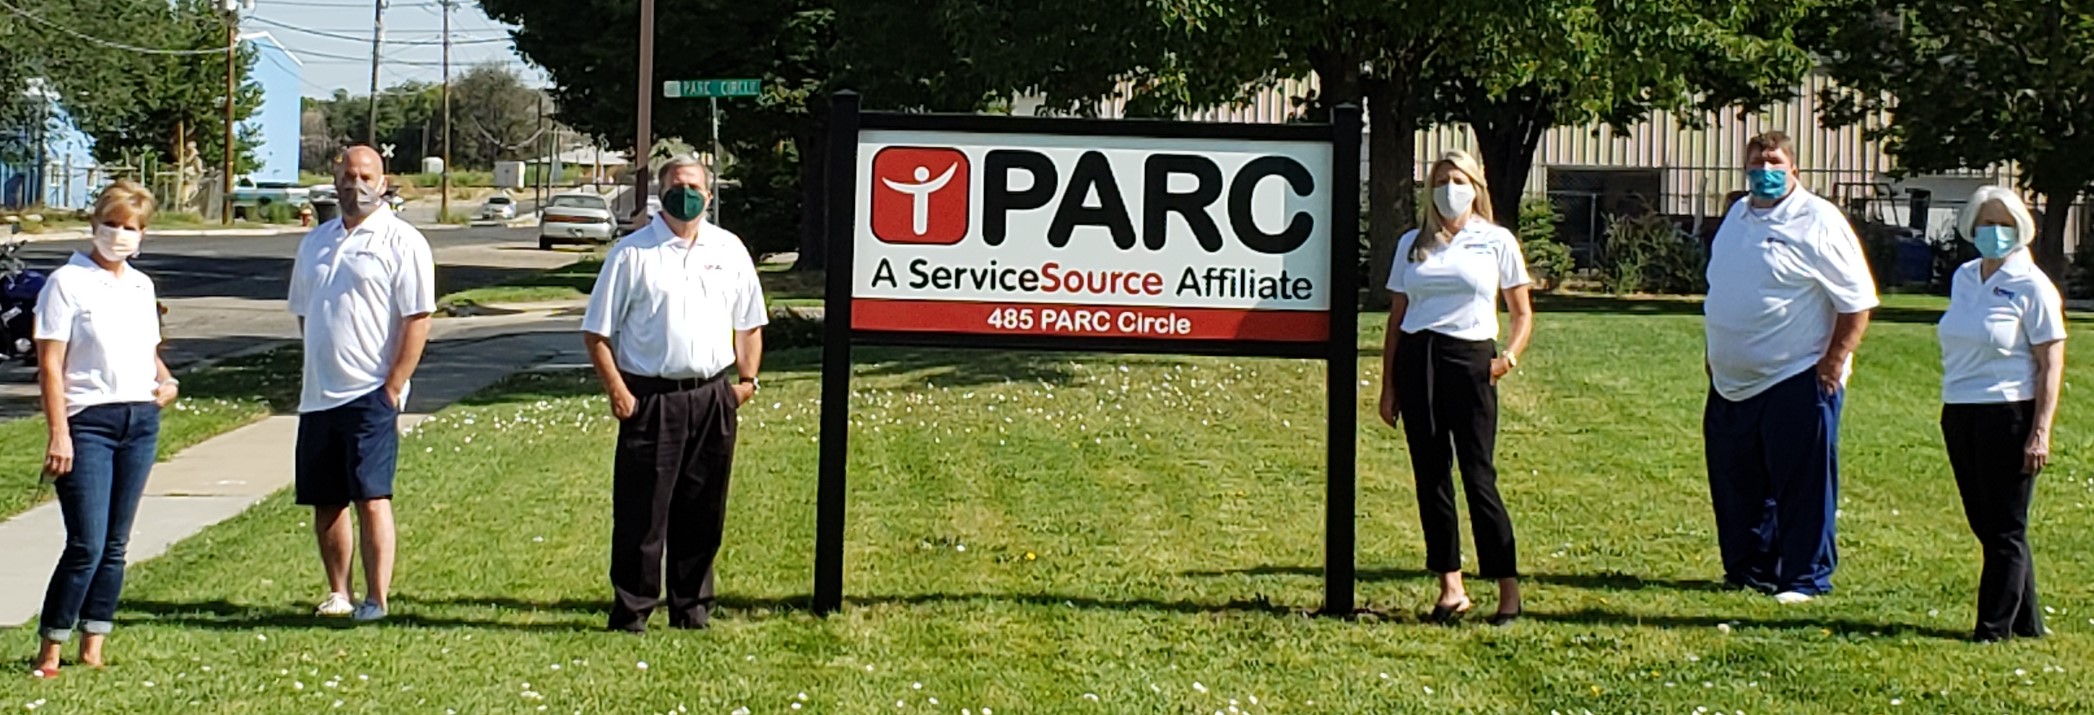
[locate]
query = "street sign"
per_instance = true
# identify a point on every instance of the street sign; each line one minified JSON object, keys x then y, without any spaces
{"x":712,"y":88}
{"x":385,"y":150}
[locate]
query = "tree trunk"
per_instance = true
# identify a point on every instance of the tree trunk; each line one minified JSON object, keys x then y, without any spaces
{"x":2049,"y":246}
{"x":810,"y":143}
{"x":1392,"y":186}
{"x":1508,"y":131}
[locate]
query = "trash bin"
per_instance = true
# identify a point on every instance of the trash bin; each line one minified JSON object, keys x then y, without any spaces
{"x":325,"y":210}
{"x":1915,"y":259}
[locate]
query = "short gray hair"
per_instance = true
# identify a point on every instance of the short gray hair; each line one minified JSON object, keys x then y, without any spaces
{"x":661,"y":176}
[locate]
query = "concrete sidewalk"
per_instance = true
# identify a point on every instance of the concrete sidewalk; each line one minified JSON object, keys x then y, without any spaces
{"x":220,"y":478}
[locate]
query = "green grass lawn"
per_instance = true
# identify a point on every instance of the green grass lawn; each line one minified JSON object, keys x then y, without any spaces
{"x":782,"y":288}
{"x":215,"y":400}
{"x":1118,"y":534}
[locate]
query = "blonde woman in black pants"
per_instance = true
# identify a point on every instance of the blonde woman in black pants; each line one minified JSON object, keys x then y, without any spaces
{"x":2003,"y":359}
{"x":1440,"y":370}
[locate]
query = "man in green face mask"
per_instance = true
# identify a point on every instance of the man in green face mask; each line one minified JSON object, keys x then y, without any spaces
{"x":675,"y":330}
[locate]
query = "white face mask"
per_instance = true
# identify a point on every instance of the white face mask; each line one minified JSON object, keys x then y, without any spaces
{"x":359,"y":199}
{"x":116,"y":245}
{"x":1454,"y":200}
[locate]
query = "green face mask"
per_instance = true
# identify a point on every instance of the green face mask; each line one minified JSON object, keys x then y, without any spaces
{"x":684,"y":203}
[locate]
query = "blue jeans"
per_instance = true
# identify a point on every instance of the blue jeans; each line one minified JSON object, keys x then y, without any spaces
{"x":114,"y":448}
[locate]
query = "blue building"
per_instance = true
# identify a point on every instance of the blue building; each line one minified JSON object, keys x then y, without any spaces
{"x":276,"y":125}
{"x":56,"y":166}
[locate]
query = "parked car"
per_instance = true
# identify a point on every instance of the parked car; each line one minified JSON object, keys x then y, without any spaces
{"x":575,"y":218}
{"x":249,"y":194}
{"x":498,"y":208}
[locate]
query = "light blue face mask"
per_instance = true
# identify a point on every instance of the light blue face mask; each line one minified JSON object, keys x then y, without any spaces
{"x":1995,"y":242}
{"x":1767,"y":184}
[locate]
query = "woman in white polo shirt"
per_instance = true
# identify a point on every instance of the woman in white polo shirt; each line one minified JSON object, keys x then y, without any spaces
{"x":2003,"y":360}
{"x":98,"y":338}
{"x":1440,"y":369}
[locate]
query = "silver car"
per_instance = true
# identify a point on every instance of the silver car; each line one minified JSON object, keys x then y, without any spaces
{"x":575,"y":218}
{"x":498,"y":208}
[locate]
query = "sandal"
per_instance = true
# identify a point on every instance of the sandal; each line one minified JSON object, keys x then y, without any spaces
{"x":1449,"y":613}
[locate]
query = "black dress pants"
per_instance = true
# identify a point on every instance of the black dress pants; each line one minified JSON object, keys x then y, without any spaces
{"x":669,"y":499}
{"x":1986,"y":443}
{"x":1449,"y":409}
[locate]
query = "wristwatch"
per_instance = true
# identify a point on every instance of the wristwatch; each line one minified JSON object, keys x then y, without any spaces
{"x":1512,"y":361}
{"x":754,"y":384}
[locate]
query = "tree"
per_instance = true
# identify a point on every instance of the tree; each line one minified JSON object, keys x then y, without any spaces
{"x":494,"y":114}
{"x":317,"y":144}
{"x":407,"y":119}
{"x":1552,"y":63}
{"x":1971,"y":85}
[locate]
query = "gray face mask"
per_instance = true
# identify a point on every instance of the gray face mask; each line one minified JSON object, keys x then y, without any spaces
{"x":359,"y":199}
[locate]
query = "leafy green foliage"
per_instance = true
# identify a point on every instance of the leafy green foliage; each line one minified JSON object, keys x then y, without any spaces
{"x":1648,"y":254}
{"x":1974,"y":84}
{"x":1548,"y":260}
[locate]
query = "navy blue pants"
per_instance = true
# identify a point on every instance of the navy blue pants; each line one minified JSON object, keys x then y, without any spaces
{"x":347,"y":454}
{"x":114,"y":447}
{"x":1774,"y":479}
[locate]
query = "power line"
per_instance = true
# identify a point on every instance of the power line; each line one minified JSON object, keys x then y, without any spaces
{"x":339,"y":36}
{"x":106,"y":43}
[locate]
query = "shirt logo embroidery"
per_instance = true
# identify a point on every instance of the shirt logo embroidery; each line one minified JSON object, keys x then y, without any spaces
{"x":2003,"y":293}
{"x":1774,"y":241}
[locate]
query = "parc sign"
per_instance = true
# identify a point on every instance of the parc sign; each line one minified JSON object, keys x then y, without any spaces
{"x":968,"y":232}
{"x":1127,"y":237}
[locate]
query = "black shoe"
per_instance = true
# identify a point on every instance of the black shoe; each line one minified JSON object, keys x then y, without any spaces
{"x":1447,"y":614}
{"x":1502,"y":618}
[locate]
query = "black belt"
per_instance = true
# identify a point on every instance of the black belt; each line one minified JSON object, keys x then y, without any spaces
{"x":644,"y":384}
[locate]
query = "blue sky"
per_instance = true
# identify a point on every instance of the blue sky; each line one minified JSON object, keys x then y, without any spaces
{"x":334,"y":63}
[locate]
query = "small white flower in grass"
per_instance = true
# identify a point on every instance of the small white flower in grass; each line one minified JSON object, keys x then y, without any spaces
{"x":802,"y":697}
{"x":934,"y":701}
{"x":796,"y":706}
{"x":1093,"y":697}
{"x":641,"y":665}
{"x":1384,"y":676}
{"x":337,"y":703}
{"x":1428,"y":690}
{"x":1707,"y":684}
{"x":1723,"y":627}
{"x":1897,"y":701}
{"x":295,"y":685}
{"x":2019,"y":672}
{"x":1254,"y":700}
{"x":740,"y":711}
{"x":556,"y":666}
{"x":262,"y":637}
{"x":868,"y":668}
{"x":1197,"y":686}
{"x":919,"y":686}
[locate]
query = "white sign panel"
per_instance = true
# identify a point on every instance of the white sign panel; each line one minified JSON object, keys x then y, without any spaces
{"x":1093,"y":236}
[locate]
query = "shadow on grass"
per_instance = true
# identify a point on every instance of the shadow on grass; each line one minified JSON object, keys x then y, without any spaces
{"x":580,"y":616}
{"x":1608,"y":581}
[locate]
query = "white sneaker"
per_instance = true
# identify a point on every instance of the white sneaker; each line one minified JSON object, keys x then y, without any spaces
{"x":336,"y":606}
{"x":367,"y":612}
{"x":1792,"y":598}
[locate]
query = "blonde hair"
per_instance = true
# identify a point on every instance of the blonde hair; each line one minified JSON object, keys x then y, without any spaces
{"x":2024,"y":223}
{"x":1435,"y":224}
{"x":124,"y":199}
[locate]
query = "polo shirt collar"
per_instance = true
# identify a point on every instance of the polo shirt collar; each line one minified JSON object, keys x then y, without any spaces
{"x":660,"y":235}
{"x":1789,"y":208}
{"x":81,"y":259}
{"x":2018,"y":264}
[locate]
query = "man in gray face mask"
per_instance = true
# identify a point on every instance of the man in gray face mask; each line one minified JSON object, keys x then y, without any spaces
{"x":363,"y":288}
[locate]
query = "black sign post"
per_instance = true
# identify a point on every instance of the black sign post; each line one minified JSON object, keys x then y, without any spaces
{"x":1339,"y":350}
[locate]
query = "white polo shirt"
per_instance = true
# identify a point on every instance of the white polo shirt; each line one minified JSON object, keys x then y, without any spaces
{"x":1454,"y":289}
{"x":110,"y":325}
{"x":354,"y":288}
{"x":1989,"y":330}
{"x":1779,"y":278}
{"x":670,"y":307}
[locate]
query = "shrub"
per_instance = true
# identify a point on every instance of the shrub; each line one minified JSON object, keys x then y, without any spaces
{"x":275,"y":212}
{"x":1549,"y":262}
{"x":2080,"y":283}
{"x":1648,"y":254}
{"x":792,"y":328}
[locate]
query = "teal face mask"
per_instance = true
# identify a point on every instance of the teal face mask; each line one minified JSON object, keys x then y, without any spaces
{"x":684,"y":203}
{"x":1995,"y":242}
{"x":1767,"y":184}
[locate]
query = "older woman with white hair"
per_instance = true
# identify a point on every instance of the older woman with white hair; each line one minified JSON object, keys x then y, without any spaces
{"x":2003,"y":360}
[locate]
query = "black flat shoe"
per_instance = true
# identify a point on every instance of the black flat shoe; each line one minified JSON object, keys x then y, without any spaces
{"x":1445,"y":613}
{"x":1502,"y":618}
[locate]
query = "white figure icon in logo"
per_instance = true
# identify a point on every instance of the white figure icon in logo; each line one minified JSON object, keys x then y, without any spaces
{"x":921,"y":191}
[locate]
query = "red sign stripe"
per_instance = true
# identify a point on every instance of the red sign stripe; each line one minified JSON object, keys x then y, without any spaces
{"x":1091,"y":321}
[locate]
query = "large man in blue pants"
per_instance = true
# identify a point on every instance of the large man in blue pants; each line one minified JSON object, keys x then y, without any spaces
{"x":1789,"y":299}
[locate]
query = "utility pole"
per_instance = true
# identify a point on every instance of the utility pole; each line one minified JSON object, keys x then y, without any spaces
{"x":537,"y":182}
{"x":443,"y":205}
{"x":643,"y":144}
{"x":377,"y":40}
{"x":181,"y":153}
{"x":232,"y":46}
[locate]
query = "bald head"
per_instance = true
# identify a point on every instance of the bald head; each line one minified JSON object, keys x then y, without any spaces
{"x":361,"y":163}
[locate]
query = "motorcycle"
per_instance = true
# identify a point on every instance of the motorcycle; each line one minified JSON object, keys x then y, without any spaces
{"x":19,"y":287}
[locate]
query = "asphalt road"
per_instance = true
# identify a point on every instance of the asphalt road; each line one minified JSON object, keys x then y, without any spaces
{"x":225,"y":293}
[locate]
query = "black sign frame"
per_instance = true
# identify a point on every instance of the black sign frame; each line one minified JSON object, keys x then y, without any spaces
{"x":1339,"y":353}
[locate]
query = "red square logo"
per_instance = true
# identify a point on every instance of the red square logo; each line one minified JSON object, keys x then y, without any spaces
{"x":919,"y":195}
